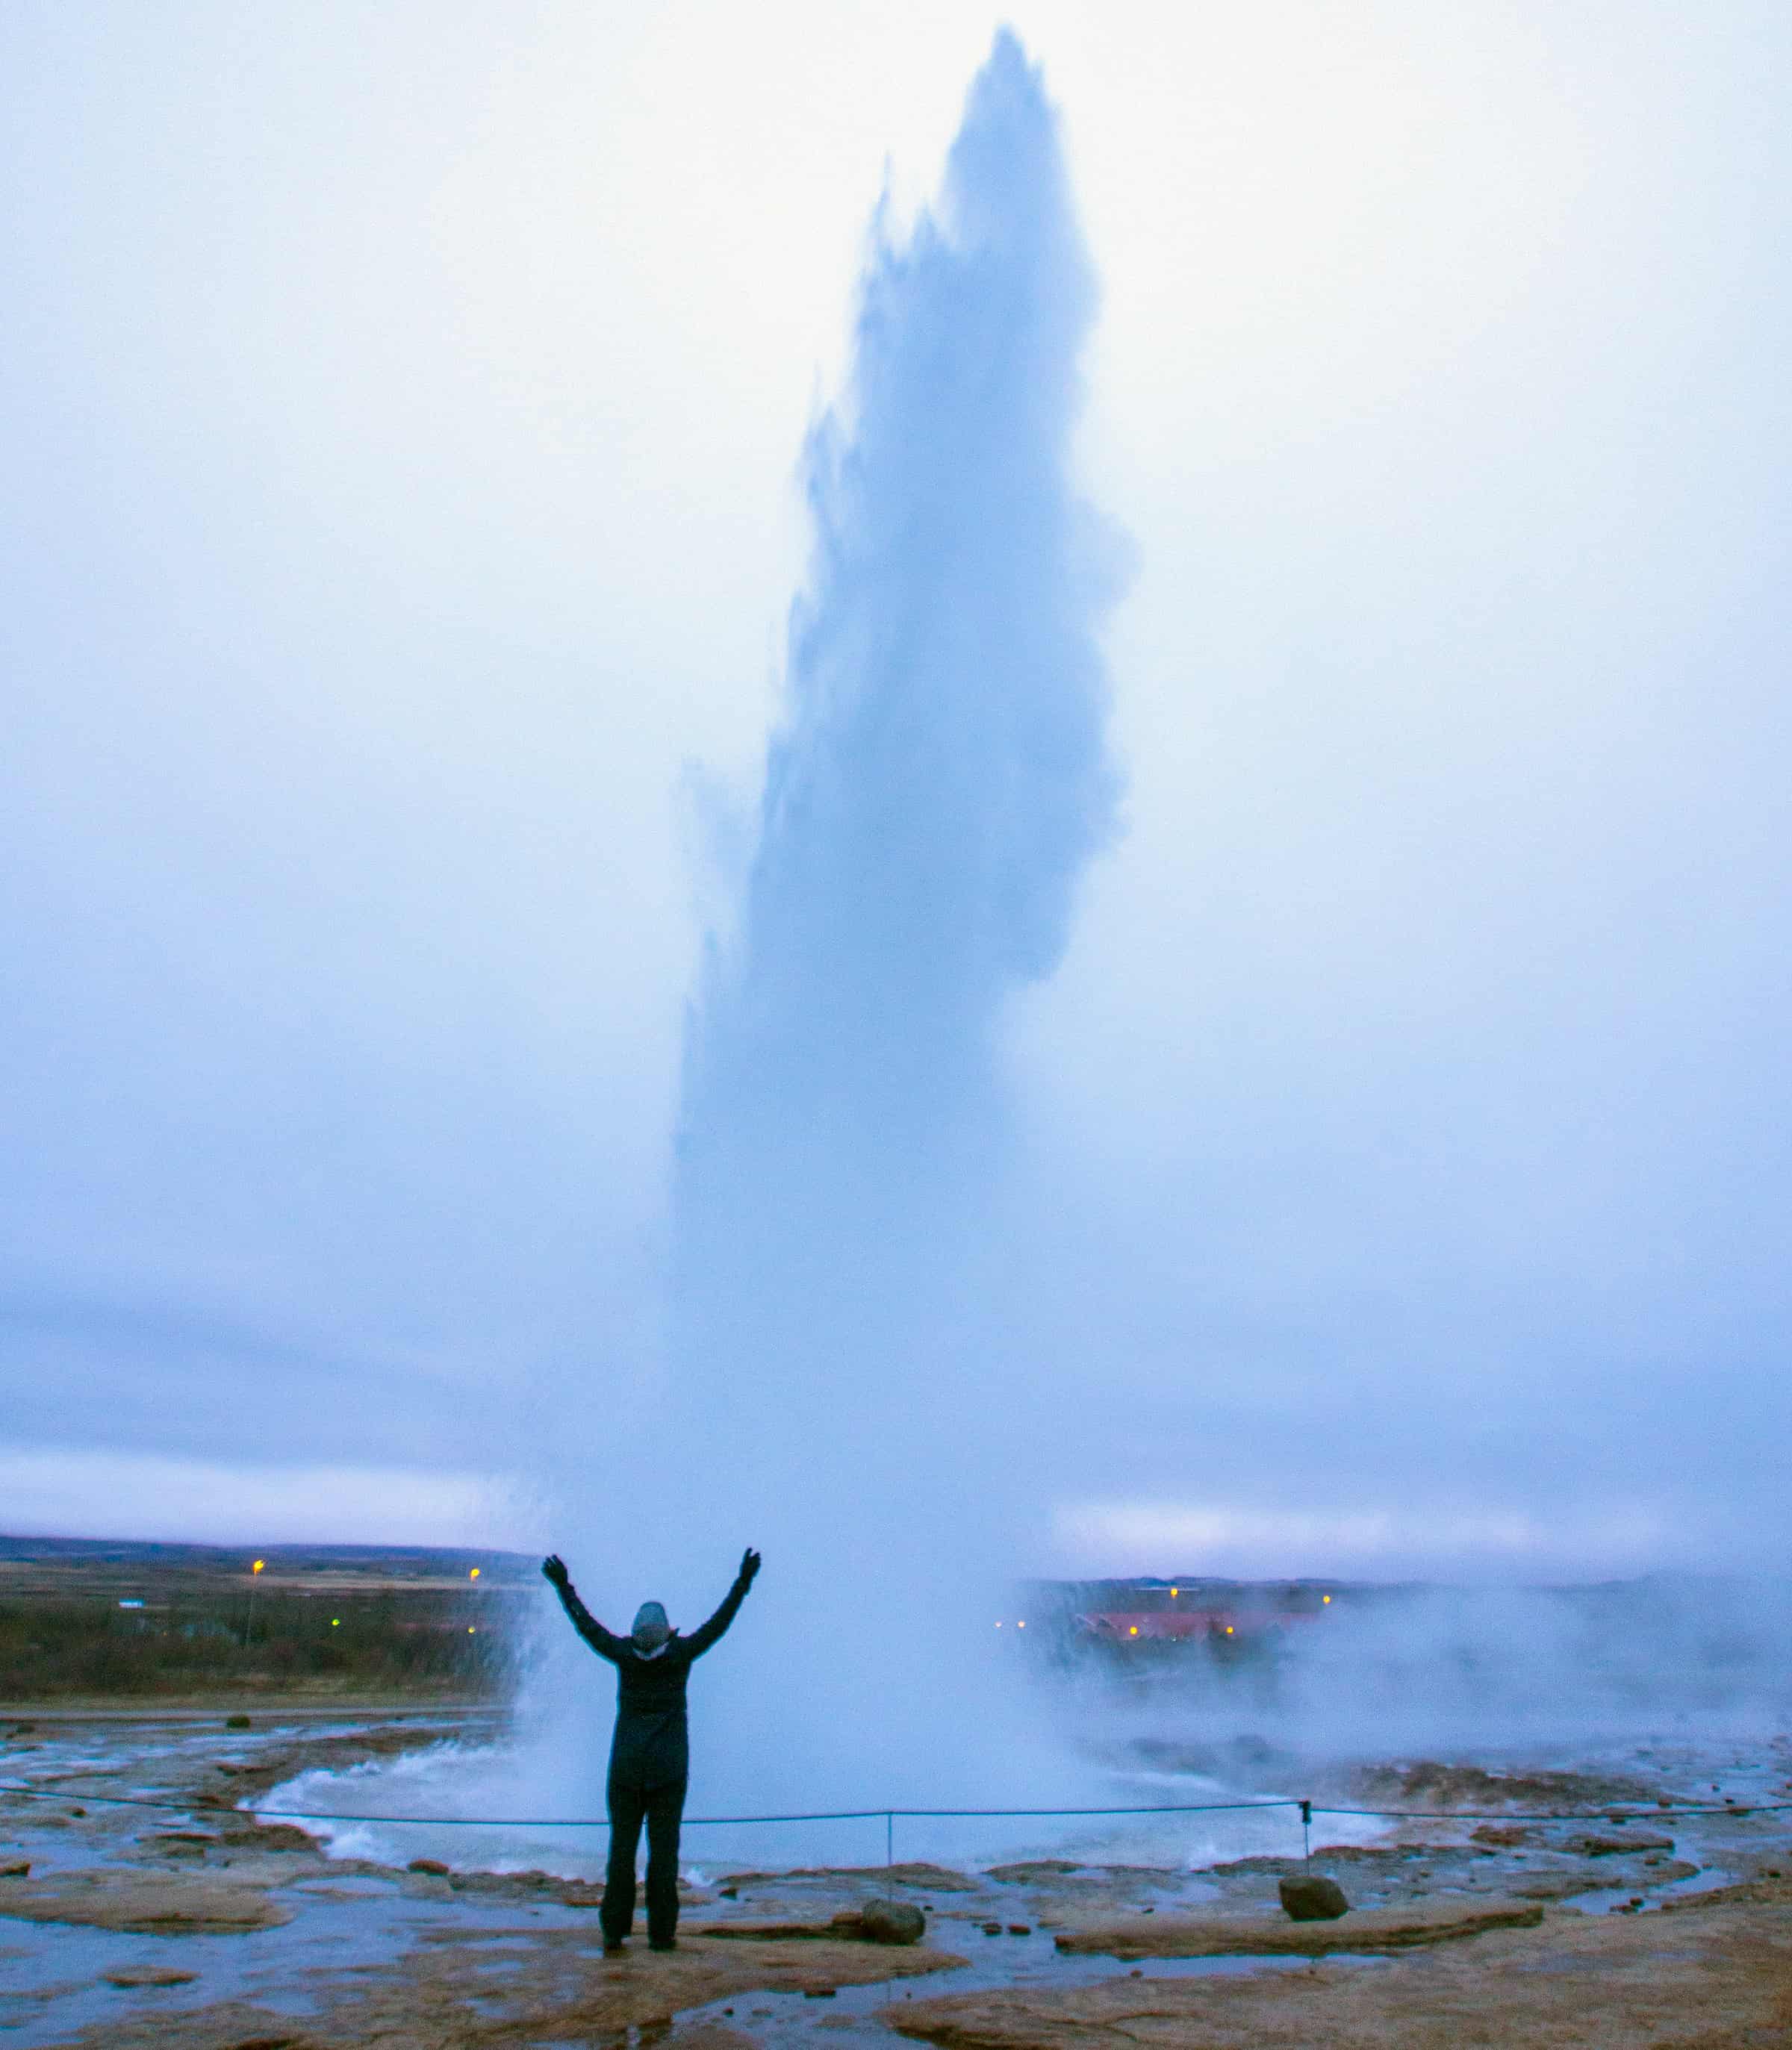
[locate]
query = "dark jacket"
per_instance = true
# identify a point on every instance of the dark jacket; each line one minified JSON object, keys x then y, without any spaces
{"x":651,"y":1748}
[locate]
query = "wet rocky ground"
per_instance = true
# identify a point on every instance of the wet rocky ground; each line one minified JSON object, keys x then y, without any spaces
{"x":194,"y":1924}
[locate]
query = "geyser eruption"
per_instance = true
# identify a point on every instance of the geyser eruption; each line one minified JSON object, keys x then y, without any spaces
{"x":842,"y":1388}
{"x":845,"y":1386}
{"x":839,"y":1368}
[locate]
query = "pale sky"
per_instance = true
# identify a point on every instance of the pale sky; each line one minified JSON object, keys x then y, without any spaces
{"x":402,"y":405}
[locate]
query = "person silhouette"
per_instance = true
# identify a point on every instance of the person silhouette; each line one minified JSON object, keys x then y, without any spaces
{"x":649,"y":1753}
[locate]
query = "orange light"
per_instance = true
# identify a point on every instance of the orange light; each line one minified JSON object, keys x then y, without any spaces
{"x":258,"y":1565}
{"x":1173,"y":1592}
{"x":1134,"y":1631}
{"x":474,"y":1574}
{"x":1228,"y":1629}
{"x":336,"y":1623}
{"x":1325,"y":1598}
{"x":470,"y":1629}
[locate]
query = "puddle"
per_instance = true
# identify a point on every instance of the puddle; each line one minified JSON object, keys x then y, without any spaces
{"x":346,"y":1918}
{"x":1608,"y":1899}
{"x":51,"y":1983}
{"x":858,"y":2012}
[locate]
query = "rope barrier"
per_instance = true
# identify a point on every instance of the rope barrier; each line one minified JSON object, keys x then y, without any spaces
{"x":1613,"y":1812}
{"x":603,"y":1822}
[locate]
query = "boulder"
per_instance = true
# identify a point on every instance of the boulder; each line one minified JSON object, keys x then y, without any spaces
{"x":891,"y":1921}
{"x":1312,"y":1897}
{"x":149,"y":1975}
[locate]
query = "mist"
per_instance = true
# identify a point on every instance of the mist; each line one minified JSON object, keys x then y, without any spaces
{"x":1418,"y":1672}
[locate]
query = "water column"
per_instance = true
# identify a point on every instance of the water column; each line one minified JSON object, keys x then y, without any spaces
{"x":842,"y":1371}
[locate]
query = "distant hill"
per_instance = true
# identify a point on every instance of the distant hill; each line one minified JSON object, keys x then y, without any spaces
{"x":27,"y":1560}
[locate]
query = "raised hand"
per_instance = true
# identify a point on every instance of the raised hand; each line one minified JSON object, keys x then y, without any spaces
{"x":553,"y":1571}
{"x":749,"y":1564}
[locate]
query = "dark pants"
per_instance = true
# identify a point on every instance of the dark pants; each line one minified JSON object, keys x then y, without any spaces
{"x":662,"y":1808}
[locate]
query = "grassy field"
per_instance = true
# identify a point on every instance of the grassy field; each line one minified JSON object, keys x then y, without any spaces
{"x":91,"y":1620}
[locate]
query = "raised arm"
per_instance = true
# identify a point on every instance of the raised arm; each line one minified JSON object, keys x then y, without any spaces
{"x":603,"y":1642}
{"x":700,"y":1639}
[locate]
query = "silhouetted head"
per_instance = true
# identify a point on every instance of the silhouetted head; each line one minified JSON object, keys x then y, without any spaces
{"x":651,"y":1629}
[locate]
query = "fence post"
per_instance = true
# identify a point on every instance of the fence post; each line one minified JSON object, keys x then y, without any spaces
{"x":1307,"y":1831}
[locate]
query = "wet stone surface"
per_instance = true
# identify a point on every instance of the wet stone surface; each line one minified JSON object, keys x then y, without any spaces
{"x":197,"y":1926}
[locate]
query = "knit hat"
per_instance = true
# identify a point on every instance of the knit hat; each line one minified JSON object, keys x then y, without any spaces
{"x":651,"y":1629}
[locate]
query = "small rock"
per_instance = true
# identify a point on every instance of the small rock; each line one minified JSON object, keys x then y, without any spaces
{"x":21,"y":1870}
{"x":433,"y":1866}
{"x":992,"y":1928}
{"x":891,"y":1921}
{"x":236,"y":1722}
{"x":1312,"y":1897}
{"x":149,"y":1975}
{"x":1020,"y":1928}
